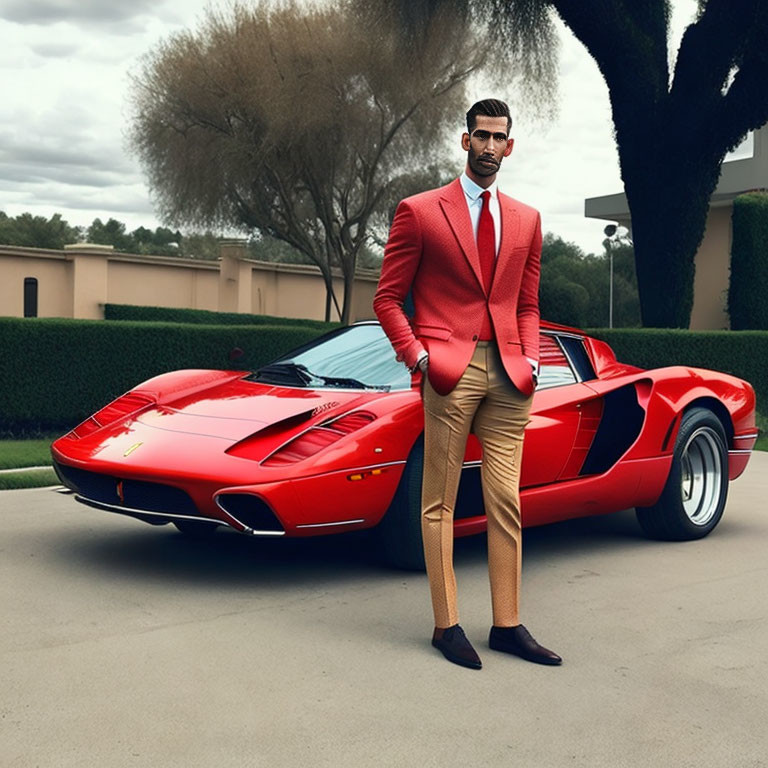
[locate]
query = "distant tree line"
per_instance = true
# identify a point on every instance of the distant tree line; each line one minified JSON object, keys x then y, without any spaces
{"x":55,"y":232}
{"x":575,"y":287}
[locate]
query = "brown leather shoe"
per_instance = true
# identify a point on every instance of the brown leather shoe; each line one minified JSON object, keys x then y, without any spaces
{"x":453,"y":644}
{"x":518,"y":641}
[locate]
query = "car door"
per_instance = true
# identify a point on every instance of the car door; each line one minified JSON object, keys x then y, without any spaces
{"x":564,"y":416}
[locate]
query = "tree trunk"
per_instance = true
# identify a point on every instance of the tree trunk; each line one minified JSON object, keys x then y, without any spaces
{"x":667,"y":228}
{"x":349,"y":289}
{"x":670,"y":166}
{"x":330,"y":296}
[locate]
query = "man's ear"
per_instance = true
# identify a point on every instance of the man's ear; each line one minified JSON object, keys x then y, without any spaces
{"x":465,"y":142}
{"x":508,"y":150}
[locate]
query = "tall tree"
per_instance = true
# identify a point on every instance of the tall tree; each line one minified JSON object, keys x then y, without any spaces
{"x":296,"y":122}
{"x":673,"y":125}
{"x":112,"y":233}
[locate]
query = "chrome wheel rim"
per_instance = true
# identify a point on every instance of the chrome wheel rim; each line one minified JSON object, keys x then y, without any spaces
{"x":702,"y":476}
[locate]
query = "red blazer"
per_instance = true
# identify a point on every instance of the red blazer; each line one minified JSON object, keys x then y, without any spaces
{"x":432,"y":251}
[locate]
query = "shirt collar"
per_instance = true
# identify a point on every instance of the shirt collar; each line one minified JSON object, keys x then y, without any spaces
{"x":473,"y":191}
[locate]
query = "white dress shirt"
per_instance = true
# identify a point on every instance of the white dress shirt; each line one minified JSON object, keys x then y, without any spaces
{"x":472,"y":194}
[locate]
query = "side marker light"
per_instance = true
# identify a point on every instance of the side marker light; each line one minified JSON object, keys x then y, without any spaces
{"x":366,"y":475}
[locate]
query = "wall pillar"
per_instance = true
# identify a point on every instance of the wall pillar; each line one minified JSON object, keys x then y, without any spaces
{"x":234,"y":277}
{"x":89,"y":279}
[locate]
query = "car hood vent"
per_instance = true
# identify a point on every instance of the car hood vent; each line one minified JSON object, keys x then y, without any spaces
{"x":236,"y":411}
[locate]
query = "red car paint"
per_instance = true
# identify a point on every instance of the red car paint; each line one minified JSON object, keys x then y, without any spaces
{"x":600,"y":439}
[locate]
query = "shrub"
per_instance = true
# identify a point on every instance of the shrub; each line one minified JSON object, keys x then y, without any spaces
{"x":748,"y":288}
{"x":55,"y":372}
{"x":740,"y":353}
{"x":203,"y":317}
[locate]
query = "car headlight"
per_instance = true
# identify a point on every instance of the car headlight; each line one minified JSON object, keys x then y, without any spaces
{"x":118,"y":409}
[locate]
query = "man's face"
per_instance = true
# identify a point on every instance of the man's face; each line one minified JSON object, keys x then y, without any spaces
{"x":486,"y":147}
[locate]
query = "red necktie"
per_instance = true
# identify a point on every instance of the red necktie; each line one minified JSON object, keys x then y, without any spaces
{"x":486,"y":243}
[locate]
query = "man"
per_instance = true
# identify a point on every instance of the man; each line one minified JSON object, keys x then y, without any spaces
{"x":470,"y":257}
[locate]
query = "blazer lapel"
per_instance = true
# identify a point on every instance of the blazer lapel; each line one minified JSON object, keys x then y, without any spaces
{"x":456,"y":211}
{"x":510,"y":228}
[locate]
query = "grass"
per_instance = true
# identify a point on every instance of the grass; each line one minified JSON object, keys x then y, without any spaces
{"x":762,"y":424}
{"x":18,"y":454}
{"x":36,"y":478}
{"x":15,"y":454}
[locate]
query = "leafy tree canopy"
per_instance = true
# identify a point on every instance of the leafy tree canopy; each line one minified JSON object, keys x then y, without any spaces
{"x":37,"y":231}
{"x":575,"y":286}
{"x":298,"y":123}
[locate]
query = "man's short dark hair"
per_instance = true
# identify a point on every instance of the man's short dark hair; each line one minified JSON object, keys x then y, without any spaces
{"x":489,"y":108}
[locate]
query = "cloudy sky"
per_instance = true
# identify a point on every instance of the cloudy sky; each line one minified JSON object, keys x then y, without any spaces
{"x":65,"y":67}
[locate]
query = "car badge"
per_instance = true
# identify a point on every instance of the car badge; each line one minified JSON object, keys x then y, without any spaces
{"x":132,"y":449}
{"x":325,"y":407}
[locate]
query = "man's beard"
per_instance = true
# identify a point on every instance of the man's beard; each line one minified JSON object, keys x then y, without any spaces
{"x":480,"y":168}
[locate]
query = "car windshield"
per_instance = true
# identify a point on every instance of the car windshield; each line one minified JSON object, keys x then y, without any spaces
{"x":356,"y":357}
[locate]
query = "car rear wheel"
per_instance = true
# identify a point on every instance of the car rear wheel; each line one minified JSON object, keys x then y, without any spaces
{"x":694,"y":496}
{"x":399,"y":533}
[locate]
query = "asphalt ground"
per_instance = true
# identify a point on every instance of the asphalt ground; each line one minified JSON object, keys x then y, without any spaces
{"x":128,"y":645}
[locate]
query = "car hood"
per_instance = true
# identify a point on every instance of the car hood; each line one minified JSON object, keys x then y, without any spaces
{"x":235,"y":410}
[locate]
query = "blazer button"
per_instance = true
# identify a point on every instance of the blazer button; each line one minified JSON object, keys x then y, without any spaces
{"x":474,"y":338}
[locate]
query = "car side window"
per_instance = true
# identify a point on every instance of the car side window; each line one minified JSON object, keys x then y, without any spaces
{"x":554,"y":368}
{"x":577,"y":355}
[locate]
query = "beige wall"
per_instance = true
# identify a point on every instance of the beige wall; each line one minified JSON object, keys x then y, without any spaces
{"x":78,"y":281}
{"x":162,"y":285}
{"x":288,"y":293}
{"x":54,"y":280}
{"x":710,"y":287}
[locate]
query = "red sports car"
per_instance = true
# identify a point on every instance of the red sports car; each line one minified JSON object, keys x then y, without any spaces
{"x":328,"y":438}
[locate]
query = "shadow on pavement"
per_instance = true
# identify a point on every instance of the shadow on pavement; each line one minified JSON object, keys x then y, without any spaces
{"x":126,"y":548}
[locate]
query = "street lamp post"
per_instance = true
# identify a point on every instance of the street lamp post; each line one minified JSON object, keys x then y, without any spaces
{"x":610,"y":232}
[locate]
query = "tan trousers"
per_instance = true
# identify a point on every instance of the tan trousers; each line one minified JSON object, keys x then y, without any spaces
{"x":487,"y":402}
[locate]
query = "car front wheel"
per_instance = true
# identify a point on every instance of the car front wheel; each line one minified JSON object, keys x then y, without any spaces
{"x":399,"y":533}
{"x":694,"y":496}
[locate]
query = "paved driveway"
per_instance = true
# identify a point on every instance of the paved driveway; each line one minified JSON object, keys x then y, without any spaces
{"x":127,"y":645}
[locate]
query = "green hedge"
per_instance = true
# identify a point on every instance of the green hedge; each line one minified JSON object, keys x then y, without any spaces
{"x":54,"y":372}
{"x":748,"y":288}
{"x":741,"y":353}
{"x":203,"y":317}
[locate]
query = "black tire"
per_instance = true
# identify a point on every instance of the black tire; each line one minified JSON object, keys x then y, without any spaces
{"x":693,"y":499}
{"x":399,"y":533}
{"x":194,"y":529}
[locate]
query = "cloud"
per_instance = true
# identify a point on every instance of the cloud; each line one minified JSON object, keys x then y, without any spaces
{"x":62,"y":117}
{"x":55,"y":152}
{"x":67,"y":159}
{"x":54,"y":50}
{"x":89,"y":12}
{"x":64,"y":67}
